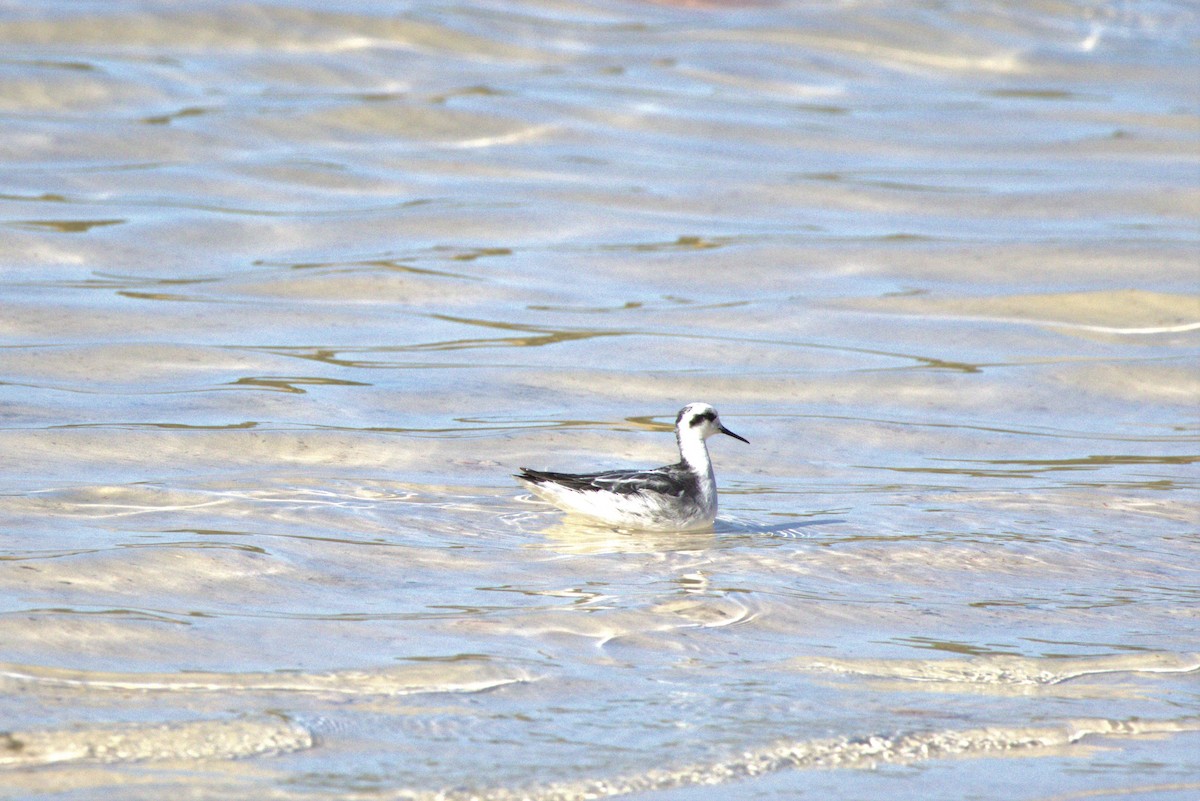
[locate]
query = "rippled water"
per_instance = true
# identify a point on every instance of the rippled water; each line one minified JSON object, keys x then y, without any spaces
{"x":287,"y":292}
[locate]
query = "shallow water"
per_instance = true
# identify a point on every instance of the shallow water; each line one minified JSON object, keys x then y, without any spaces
{"x":287,"y":293}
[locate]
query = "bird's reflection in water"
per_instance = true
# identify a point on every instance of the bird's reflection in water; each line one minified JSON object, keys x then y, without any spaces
{"x":575,"y":535}
{"x":579,"y":535}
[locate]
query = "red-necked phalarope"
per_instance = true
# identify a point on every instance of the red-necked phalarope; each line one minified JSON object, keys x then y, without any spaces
{"x":677,"y":497}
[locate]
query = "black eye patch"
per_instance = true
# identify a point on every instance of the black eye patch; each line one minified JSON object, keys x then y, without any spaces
{"x":698,"y":419}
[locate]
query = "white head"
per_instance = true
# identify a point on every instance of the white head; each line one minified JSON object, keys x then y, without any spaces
{"x":702,"y":421}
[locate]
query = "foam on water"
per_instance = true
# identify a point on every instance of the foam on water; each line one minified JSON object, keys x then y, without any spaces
{"x":405,"y":680}
{"x":1003,"y":669}
{"x":193,"y":740}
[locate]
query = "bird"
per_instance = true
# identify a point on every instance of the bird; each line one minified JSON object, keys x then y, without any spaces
{"x":676,"y":497}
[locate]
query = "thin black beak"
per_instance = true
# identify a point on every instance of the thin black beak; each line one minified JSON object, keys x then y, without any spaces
{"x":725,"y":430}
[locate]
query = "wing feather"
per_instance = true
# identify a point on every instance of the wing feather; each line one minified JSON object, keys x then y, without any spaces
{"x":669,"y":480}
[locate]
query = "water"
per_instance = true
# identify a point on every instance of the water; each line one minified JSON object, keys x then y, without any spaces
{"x":288,"y":292}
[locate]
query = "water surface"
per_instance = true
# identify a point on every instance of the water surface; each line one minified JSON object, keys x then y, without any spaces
{"x":287,"y":292}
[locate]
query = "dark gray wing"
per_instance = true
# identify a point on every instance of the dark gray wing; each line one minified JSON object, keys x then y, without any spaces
{"x":670,"y":480}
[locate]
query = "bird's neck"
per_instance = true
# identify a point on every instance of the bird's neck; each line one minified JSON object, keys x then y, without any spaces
{"x":695,"y":454}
